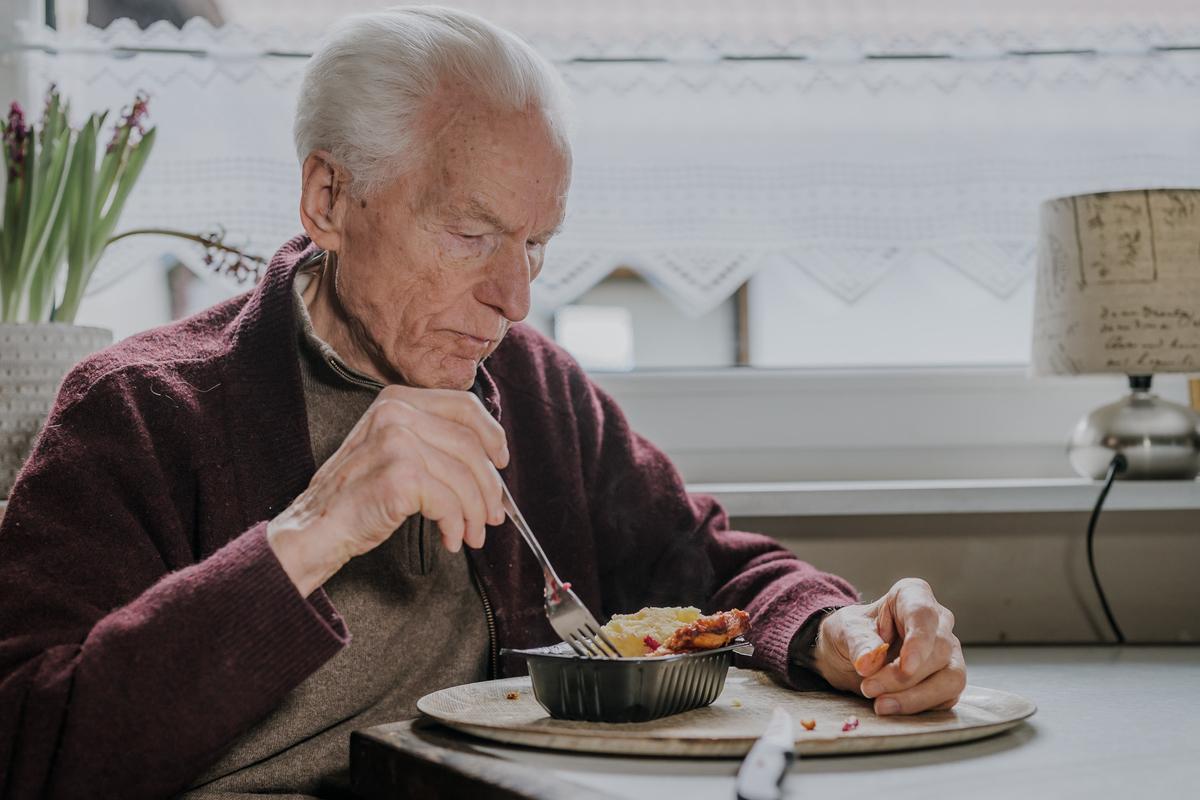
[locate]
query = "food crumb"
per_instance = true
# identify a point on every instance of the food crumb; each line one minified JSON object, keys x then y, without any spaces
{"x":850,"y":724}
{"x":735,"y":703}
{"x":512,"y":696}
{"x":808,"y":724}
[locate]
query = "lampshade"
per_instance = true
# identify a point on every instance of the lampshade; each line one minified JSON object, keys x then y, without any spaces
{"x":1118,"y":290}
{"x":1118,"y":283}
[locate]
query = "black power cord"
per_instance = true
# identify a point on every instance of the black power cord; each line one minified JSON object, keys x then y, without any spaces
{"x":1117,"y":465}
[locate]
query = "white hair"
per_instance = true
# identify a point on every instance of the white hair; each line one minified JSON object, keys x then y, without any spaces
{"x":365,"y":89}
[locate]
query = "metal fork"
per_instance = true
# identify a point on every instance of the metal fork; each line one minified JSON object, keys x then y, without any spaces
{"x":568,"y":615}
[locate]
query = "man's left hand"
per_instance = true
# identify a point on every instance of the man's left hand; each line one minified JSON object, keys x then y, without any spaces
{"x":900,"y":650}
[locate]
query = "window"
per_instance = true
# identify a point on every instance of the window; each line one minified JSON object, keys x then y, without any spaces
{"x":777,"y":185}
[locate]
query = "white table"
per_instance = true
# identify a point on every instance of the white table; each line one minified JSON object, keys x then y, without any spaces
{"x":1111,"y":722}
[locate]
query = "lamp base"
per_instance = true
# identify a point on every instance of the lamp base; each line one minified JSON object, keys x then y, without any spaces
{"x":1159,"y":439}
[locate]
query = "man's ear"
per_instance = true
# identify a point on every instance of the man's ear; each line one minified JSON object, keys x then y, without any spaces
{"x":324,"y":195}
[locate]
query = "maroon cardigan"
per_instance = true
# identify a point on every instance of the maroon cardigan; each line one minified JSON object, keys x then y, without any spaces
{"x":144,"y":621}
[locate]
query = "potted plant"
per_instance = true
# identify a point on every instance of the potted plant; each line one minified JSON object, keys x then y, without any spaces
{"x":63,"y":197}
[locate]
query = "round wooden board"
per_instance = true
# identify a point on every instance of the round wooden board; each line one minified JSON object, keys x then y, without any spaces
{"x":729,"y":726}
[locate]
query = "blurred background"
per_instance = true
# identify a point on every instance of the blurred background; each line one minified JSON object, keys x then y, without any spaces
{"x":774,"y":184}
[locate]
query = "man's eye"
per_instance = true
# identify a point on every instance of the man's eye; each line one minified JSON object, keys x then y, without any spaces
{"x":470,"y":237}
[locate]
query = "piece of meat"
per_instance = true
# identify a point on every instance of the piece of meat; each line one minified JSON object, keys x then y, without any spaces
{"x":706,"y":633}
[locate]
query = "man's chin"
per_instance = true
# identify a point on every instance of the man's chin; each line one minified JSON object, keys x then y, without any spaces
{"x":456,"y":373}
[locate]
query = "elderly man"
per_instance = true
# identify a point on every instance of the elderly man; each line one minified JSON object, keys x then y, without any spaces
{"x":215,"y":506}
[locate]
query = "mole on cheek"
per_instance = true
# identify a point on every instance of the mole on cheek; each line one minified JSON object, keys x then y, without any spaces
{"x":363,"y":204}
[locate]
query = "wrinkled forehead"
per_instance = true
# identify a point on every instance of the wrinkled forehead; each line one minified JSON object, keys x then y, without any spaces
{"x":514,"y":156}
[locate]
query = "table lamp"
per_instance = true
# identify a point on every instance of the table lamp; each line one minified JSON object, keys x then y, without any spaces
{"x":1118,"y":290}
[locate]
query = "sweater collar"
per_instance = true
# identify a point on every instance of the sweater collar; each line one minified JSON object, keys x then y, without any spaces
{"x":484,"y":387}
{"x":346,"y":376}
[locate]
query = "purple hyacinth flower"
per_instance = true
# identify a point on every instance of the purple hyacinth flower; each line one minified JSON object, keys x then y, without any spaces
{"x":16,"y":136}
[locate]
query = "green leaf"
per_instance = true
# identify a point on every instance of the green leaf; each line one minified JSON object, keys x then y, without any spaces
{"x":53,"y":226}
{"x":20,"y":229}
{"x":54,"y":120}
{"x":53,"y":173}
{"x":30,"y":179}
{"x":138,"y":156}
{"x":45,"y":276}
{"x":79,"y":275}
{"x":8,"y":245}
{"x":83,"y":220}
{"x":110,"y":163}
{"x":81,"y":170}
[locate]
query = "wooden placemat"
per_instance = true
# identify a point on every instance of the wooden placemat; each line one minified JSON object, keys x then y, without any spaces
{"x":729,"y":726}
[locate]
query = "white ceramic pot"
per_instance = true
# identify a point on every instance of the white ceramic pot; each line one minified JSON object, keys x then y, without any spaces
{"x":34,"y":357}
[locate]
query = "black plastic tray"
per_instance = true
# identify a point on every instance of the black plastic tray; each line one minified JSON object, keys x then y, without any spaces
{"x":569,"y":686}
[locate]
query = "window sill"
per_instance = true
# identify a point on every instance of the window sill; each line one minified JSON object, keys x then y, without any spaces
{"x":989,"y":496}
{"x":759,"y":426}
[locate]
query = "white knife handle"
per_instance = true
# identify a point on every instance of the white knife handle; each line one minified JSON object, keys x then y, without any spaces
{"x":762,"y":772}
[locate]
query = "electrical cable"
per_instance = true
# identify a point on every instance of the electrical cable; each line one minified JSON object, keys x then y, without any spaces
{"x":1117,"y":465}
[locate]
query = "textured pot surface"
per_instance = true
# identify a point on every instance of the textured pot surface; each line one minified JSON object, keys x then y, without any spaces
{"x":34,"y":357}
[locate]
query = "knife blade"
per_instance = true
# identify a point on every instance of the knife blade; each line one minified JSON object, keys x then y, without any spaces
{"x":761,"y":774}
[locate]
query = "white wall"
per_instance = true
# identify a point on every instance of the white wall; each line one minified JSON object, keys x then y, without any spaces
{"x":1013,"y":578}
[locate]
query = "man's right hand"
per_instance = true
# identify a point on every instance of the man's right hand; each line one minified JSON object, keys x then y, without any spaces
{"x":429,"y":451}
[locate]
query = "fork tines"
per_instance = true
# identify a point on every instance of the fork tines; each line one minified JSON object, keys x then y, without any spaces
{"x":591,"y":642}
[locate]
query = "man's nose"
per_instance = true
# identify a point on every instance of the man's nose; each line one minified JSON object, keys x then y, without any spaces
{"x":509,"y":276}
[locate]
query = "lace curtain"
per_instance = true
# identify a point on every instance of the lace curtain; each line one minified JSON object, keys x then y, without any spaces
{"x":711,"y":142}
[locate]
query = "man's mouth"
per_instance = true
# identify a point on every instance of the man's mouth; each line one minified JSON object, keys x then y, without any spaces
{"x":475,"y":341}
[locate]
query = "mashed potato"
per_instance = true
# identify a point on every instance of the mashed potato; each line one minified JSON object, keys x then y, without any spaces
{"x":629,"y":631}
